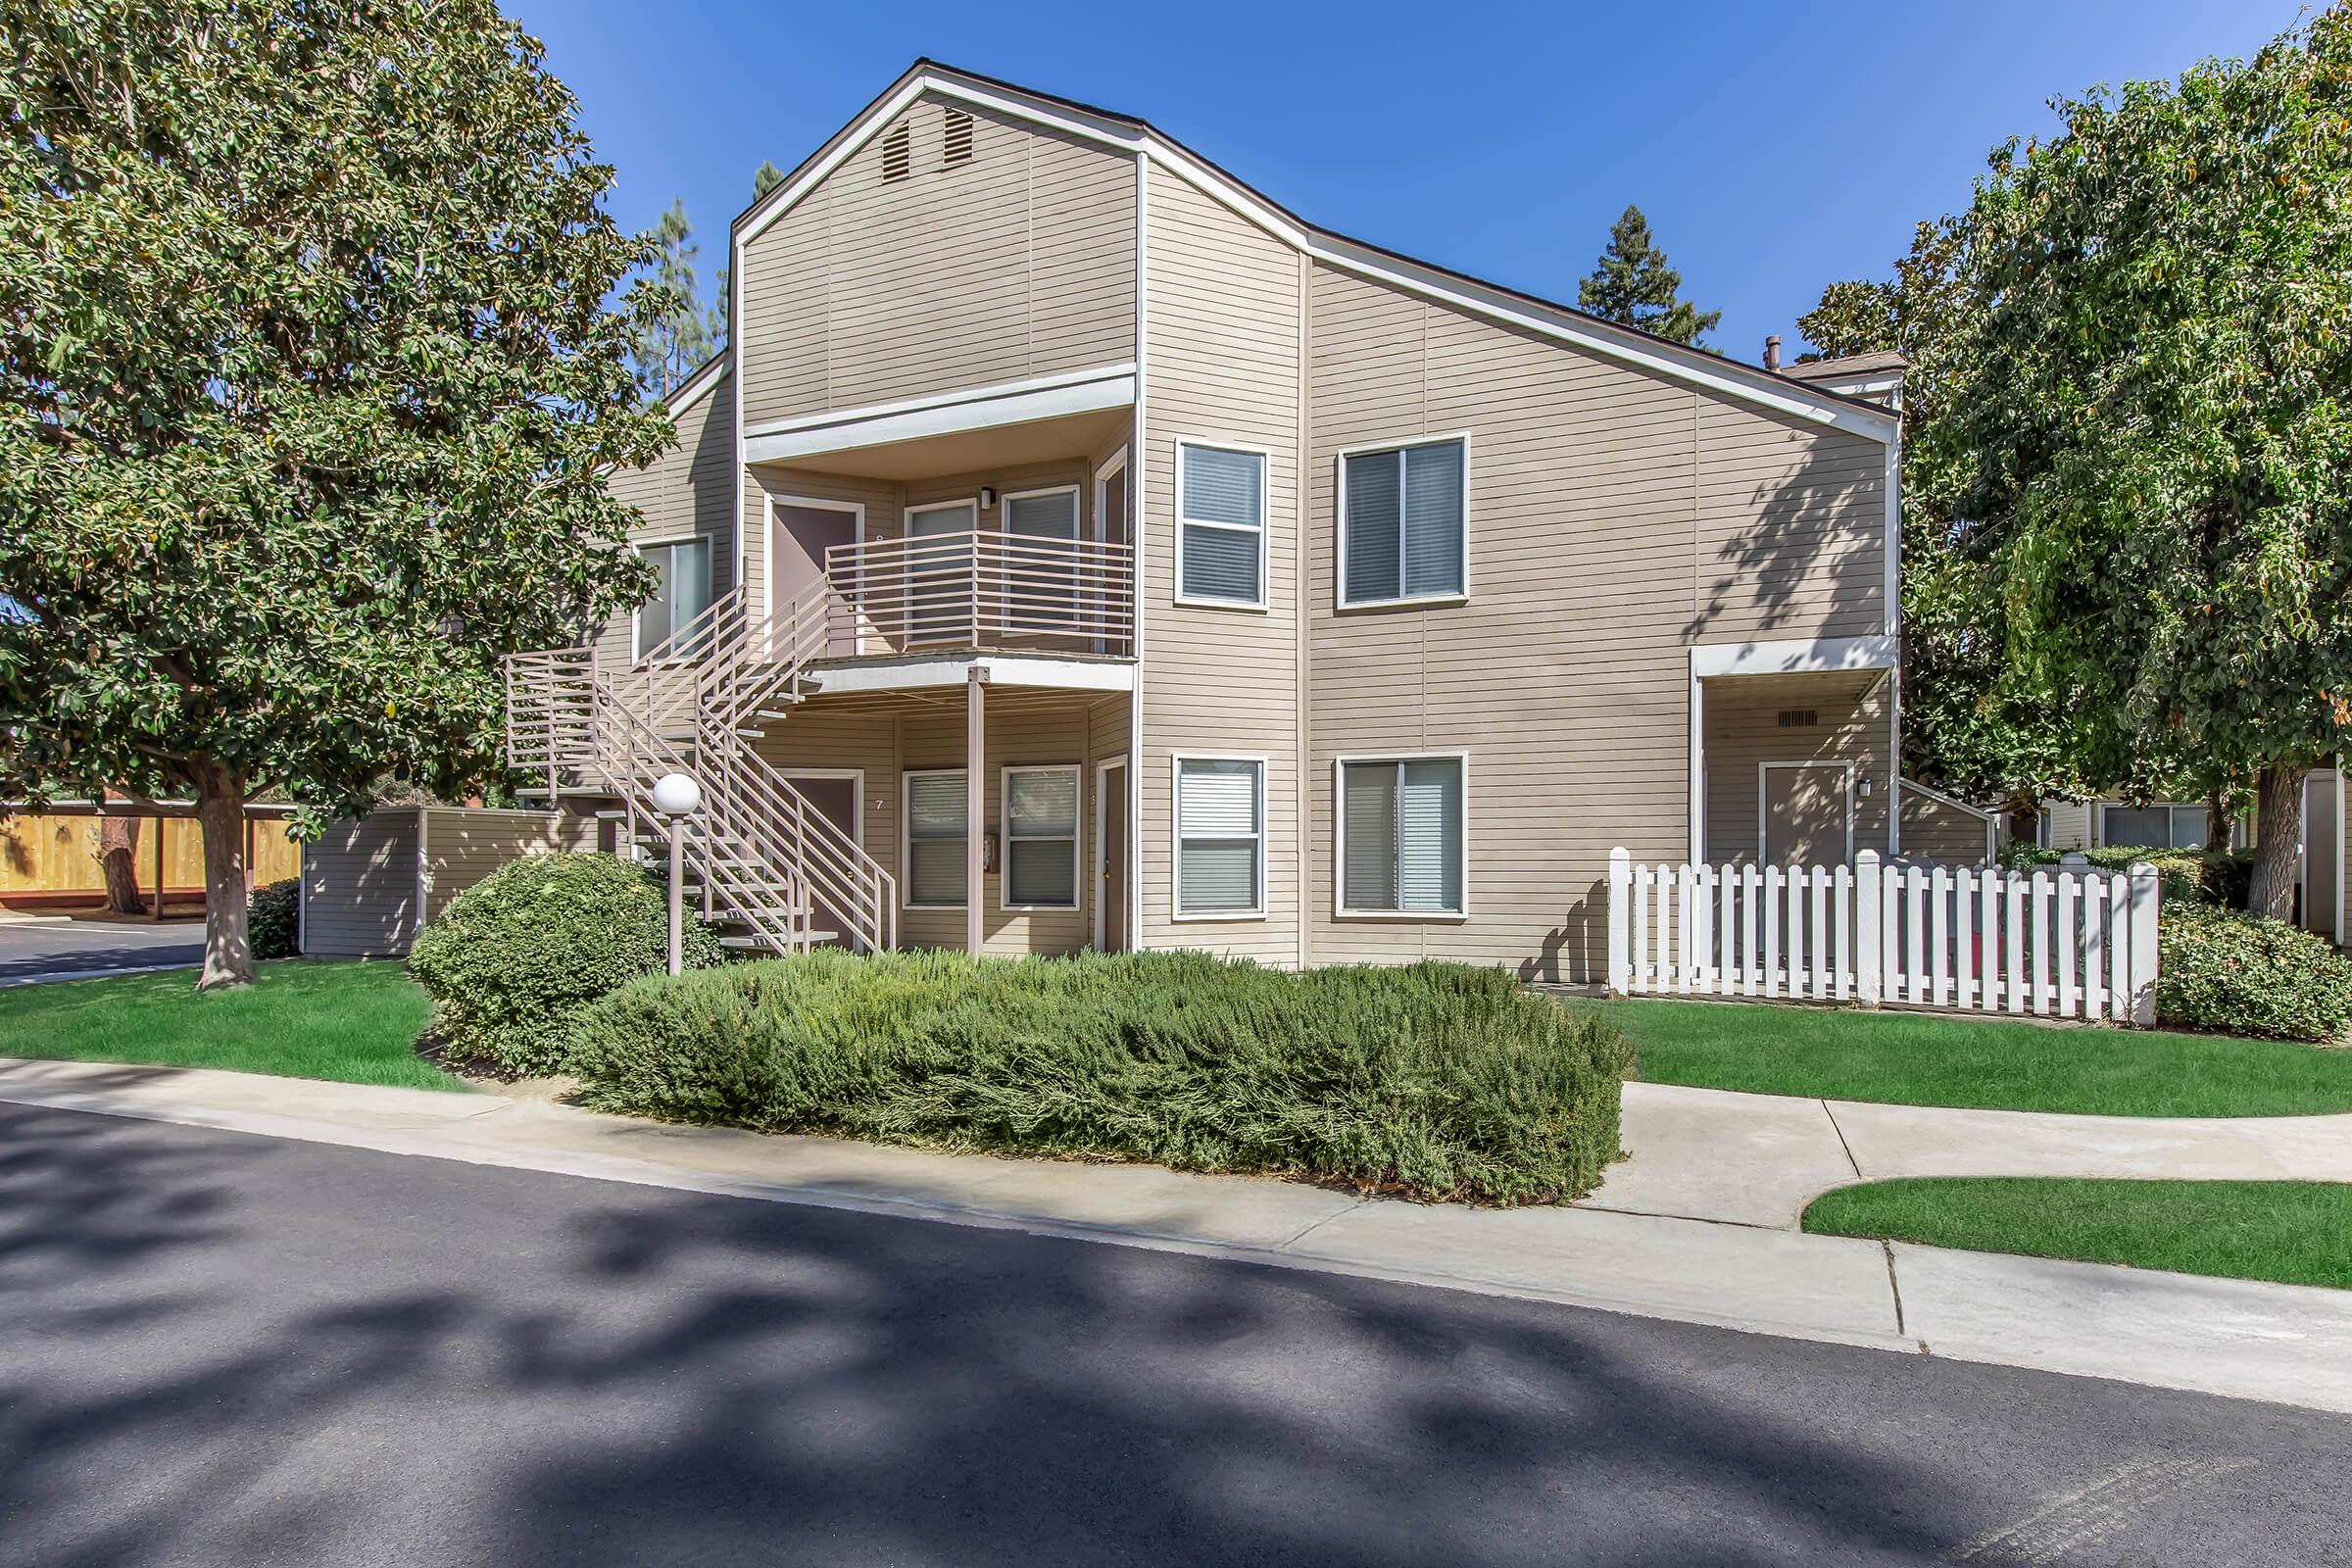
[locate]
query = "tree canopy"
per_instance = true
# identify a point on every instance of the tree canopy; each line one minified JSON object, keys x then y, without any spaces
{"x":2147,"y":431}
{"x":1633,"y":285}
{"x":309,"y":386}
{"x":678,"y":336}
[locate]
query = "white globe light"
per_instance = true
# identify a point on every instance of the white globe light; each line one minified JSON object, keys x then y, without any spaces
{"x":677,"y":794}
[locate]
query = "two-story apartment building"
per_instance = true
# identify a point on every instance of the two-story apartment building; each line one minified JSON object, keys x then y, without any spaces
{"x":1075,"y":547}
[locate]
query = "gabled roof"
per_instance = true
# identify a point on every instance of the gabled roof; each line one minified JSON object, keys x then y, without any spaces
{"x":1846,"y":367}
{"x":1778,"y":390}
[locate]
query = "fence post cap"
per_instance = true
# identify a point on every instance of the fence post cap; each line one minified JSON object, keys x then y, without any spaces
{"x":1620,"y":856}
{"x":1867,"y":857}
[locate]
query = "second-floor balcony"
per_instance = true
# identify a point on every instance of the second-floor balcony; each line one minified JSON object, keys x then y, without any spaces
{"x":983,"y":591}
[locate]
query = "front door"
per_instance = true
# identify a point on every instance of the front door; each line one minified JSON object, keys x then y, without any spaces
{"x":1807,"y":816}
{"x":836,"y":800}
{"x":801,"y":535}
{"x":1111,"y":875}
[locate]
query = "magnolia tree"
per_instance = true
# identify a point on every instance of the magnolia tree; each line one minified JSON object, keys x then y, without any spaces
{"x":311,"y":384}
{"x":2149,"y":424}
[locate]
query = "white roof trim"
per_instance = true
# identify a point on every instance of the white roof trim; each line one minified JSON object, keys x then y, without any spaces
{"x":1797,"y":656}
{"x":1694,"y":366}
{"x":690,"y":391}
{"x":983,"y":410}
{"x":1912,"y":786}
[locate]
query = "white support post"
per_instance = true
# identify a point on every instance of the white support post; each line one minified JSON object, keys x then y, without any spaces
{"x":2143,"y":943}
{"x":1869,"y":919}
{"x":1621,"y":893}
{"x":975,"y":805}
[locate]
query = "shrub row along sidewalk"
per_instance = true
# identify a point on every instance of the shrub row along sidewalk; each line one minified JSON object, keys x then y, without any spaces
{"x":1434,"y":1081}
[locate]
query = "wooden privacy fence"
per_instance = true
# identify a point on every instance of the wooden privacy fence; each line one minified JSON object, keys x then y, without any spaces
{"x":2066,"y":943}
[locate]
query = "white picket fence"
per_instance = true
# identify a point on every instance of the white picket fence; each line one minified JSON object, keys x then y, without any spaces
{"x":2068,"y":941}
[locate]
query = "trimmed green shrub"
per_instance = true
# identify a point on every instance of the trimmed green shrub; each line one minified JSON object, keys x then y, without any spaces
{"x":2219,"y":877}
{"x":513,"y":959}
{"x":1434,"y":1081}
{"x":274,"y":919}
{"x":2244,"y":975}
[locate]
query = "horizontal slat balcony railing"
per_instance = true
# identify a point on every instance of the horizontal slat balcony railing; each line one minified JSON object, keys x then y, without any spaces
{"x":982,"y":590}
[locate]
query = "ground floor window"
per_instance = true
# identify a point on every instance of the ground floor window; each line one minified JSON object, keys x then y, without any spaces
{"x":2164,"y":827}
{"x":1401,"y":830}
{"x":935,"y":840}
{"x":1040,"y":838}
{"x":1220,"y":836}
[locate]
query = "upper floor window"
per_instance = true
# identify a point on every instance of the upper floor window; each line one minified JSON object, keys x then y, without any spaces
{"x":1401,"y":524}
{"x":684,"y":593}
{"x":1221,"y":525}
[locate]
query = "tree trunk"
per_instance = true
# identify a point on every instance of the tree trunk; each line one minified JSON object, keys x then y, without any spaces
{"x":220,"y":812}
{"x":119,"y":859}
{"x":2277,"y":840}
{"x":2025,"y":819}
{"x":2217,"y":822}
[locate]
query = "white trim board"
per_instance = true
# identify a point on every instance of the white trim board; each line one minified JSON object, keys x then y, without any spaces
{"x":1712,"y":661}
{"x":994,"y":669}
{"x":957,"y":414}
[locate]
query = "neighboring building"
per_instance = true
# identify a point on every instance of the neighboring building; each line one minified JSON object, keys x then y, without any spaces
{"x":1071,"y":526}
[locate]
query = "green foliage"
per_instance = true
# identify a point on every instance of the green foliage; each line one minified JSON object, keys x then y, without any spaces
{"x":1435,"y":1081}
{"x":2244,"y":975}
{"x":515,"y":958}
{"x":274,"y":919}
{"x":766,"y":178}
{"x":309,"y":388}
{"x":1633,"y":285}
{"x":2218,"y":877}
{"x":2146,"y":430}
{"x":675,"y":339}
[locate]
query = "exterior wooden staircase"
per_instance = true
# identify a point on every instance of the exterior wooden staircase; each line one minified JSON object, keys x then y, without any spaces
{"x":767,"y":861}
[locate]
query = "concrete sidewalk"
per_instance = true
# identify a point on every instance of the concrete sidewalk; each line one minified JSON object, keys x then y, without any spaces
{"x":1759,"y":1160}
{"x":2272,"y":1341}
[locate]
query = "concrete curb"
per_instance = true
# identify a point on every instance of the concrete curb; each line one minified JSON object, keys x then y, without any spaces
{"x":2287,"y":1344}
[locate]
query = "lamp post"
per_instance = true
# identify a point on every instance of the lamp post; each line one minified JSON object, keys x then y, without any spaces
{"x":678,"y":797}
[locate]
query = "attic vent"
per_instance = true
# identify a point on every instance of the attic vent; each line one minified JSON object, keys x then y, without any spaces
{"x":897,"y":154}
{"x":1799,"y":718}
{"x":959,"y":138}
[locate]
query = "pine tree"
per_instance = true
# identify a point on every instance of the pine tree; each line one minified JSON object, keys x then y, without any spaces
{"x":676,"y":339}
{"x":1634,"y":287}
{"x":766,"y":178}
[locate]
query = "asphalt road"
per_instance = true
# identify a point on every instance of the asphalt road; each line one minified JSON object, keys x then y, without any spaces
{"x":221,"y":1349}
{"x":56,"y":950}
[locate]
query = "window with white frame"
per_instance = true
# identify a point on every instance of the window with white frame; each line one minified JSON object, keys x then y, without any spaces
{"x":1401,"y":826}
{"x":935,"y":840}
{"x":2162,"y":826}
{"x":1401,"y":524}
{"x":684,"y":593}
{"x":1040,"y":838}
{"x":1220,"y":836}
{"x":1040,"y":571}
{"x":1221,"y":523}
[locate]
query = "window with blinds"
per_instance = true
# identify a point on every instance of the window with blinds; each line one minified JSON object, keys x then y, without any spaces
{"x":1402,"y":836}
{"x":1040,"y":838}
{"x":935,"y":841}
{"x":1221,"y":523}
{"x":1041,"y":585}
{"x":1400,"y":524}
{"x":684,"y":593}
{"x":1220,"y":836}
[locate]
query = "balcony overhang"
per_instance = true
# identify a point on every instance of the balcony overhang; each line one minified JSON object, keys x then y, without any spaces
{"x":1794,"y":657}
{"x":932,"y":671}
{"x":1011,"y":422}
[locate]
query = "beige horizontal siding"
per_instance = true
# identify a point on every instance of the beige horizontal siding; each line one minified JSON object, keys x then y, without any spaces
{"x":1938,"y":831}
{"x":462,"y":846}
{"x":1222,"y":365}
{"x":1743,"y":731}
{"x":690,"y":489}
{"x":1018,"y":263}
{"x":358,"y":887}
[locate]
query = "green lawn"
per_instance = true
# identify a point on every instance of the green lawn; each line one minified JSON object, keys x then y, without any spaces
{"x":2297,"y":1233}
{"x":1913,"y":1059}
{"x":353,"y":1022}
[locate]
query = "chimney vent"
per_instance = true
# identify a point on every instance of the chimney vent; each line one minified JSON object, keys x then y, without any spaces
{"x":1771,"y":351}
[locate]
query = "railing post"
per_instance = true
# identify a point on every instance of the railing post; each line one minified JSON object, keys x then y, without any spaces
{"x":1621,"y":950}
{"x":1870,"y":915}
{"x":2145,"y":906}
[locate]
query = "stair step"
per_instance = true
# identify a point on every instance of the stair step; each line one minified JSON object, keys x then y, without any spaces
{"x":753,"y":734}
{"x":763,"y":942}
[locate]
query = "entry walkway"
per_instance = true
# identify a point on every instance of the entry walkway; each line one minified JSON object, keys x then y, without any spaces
{"x":2283,"y":1343}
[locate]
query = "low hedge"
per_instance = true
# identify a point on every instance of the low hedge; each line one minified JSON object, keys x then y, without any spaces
{"x":274,"y":919}
{"x":2222,"y":877}
{"x":1434,"y":1081}
{"x":513,"y":959}
{"x":2245,"y":975}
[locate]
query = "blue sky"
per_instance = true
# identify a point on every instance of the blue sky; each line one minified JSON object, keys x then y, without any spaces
{"x":1775,"y":147}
